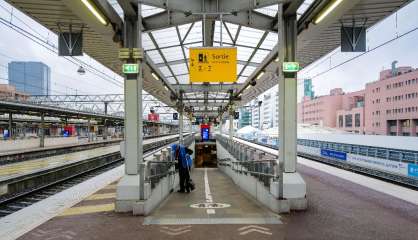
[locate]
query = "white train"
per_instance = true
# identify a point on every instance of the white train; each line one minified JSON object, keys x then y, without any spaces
{"x":391,"y":157}
{"x":394,"y":155}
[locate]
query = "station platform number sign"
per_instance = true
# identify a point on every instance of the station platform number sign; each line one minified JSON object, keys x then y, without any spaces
{"x":213,"y":64}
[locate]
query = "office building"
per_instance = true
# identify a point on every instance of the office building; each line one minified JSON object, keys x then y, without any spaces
{"x":33,"y":78}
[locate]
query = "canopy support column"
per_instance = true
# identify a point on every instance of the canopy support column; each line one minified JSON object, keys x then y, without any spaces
{"x":181,"y":116}
{"x":231,"y":124}
{"x":131,"y":188}
{"x":290,"y":186}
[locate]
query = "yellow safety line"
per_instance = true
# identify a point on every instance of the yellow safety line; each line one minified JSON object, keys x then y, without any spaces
{"x":102,"y":196}
{"x":88,"y":209}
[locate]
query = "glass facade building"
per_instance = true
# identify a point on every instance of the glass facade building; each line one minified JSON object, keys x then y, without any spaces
{"x":33,"y":78}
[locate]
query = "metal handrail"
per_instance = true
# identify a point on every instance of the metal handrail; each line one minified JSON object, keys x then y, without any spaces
{"x":168,"y":165}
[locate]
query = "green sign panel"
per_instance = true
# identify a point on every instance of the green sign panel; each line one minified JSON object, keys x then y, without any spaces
{"x":291,"y":67}
{"x":130,"y":68}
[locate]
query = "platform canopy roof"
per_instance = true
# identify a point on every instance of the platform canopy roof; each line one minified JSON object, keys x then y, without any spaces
{"x":173,"y":26}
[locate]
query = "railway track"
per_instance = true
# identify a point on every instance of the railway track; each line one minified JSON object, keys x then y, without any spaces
{"x":19,"y":201}
{"x":381,"y":175}
{"x":15,"y":202}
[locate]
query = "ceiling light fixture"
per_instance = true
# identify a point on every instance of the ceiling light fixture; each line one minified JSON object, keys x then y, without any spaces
{"x":260,"y":75}
{"x":96,"y":13}
{"x":327,"y":10}
{"x":155,"y":76}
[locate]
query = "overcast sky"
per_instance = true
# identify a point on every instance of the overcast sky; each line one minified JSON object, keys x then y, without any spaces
{"x":65,"y":79}
{"x":351,"y":76}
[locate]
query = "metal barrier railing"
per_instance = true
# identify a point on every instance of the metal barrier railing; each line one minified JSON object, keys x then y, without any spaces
{"x":162,"y":164}
{"x":249,"y":160}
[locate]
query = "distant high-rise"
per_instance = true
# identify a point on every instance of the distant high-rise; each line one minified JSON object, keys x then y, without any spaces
{"x":244,"y":117}
{"x":308,"y":88}
{"x":33,"y":78}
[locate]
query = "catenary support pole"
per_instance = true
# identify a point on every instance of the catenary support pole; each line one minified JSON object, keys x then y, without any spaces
{"x":10,"y":125}
{"x":42,"y":131}
{"x":88,"y":130}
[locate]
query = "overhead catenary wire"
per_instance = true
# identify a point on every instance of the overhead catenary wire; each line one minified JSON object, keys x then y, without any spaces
{"x":47,"y":45}
{"x":54,"y":50}
{"x":46,"y":41}
{"x":362,"y":54}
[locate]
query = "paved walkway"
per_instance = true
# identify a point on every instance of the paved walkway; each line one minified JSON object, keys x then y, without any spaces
{"x":338,"y":209}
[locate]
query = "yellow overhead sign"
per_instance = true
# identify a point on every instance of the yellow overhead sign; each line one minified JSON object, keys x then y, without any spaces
{"x":214,"y":64}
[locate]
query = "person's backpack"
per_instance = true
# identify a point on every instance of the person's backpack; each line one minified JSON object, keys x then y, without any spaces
{"x":180,"y":158}
{"x":191,"y":183}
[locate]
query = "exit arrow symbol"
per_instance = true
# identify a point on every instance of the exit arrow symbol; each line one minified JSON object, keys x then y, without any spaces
{"x":253,"y":228}
{"x":175,"y":231}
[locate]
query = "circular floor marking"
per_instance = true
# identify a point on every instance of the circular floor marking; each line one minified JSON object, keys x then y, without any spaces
{"x":210,"y":205}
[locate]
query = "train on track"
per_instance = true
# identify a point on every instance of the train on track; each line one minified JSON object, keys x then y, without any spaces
{"x":394,"y":158}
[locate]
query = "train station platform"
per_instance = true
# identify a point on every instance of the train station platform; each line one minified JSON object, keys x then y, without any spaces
{"x":26,"y":167}
{"x":81,"y":142}
{"x":30,"y":166}
{"x":338,"y":209}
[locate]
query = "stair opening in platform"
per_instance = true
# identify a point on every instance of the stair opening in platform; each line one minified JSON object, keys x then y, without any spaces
{"x":205,"y":154}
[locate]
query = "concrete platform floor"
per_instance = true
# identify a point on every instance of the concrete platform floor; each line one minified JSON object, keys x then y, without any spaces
{"x":338,"y":209}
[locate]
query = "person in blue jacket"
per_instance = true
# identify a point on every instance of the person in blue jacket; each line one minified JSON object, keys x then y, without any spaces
{"x":189,"y":183}
{"x":179,"y":154}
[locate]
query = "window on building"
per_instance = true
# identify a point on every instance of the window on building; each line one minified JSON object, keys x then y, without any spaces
{"x":340,"y":121}
{"x":349,"y":120}
{"x":406,"y":123}
{"x":357,"y":120}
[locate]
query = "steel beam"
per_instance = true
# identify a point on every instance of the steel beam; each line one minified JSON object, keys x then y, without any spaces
{"x":201,"y":104}
{"x":128,"y":8}
{"x":195,"y":6}
{"x":249,"y":19}
{"x":210,"y":88}
{"x":168,"y":19}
